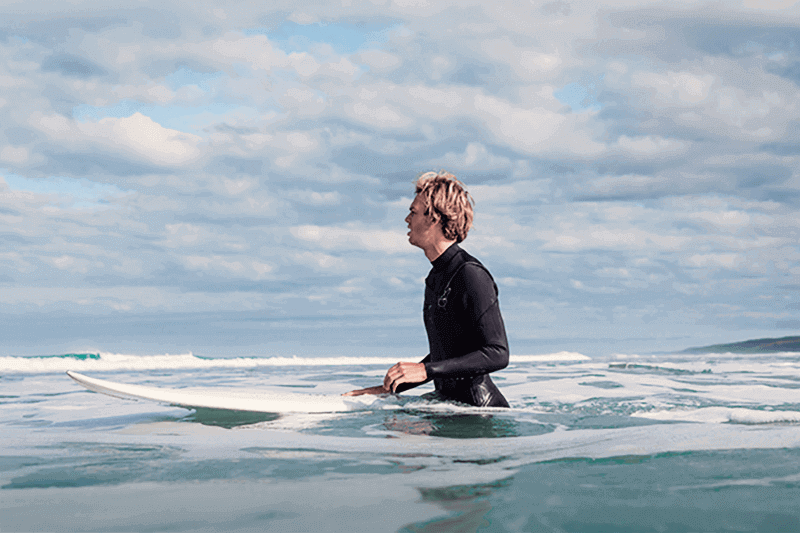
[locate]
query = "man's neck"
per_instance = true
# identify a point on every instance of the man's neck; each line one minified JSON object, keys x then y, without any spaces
{"x":437,"y":248}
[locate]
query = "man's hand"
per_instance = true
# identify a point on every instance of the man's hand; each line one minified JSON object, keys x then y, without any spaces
{"x":371,"y":390}
{"x":404,"y":373}
{"x":397,"y":375}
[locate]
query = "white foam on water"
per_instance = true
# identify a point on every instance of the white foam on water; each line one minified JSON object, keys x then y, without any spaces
{"x":104,"y":362}
{"x":548,"y":358}
{"x":113,"y":361}
{"x":721,"y":415}
{"x":751,"y":416}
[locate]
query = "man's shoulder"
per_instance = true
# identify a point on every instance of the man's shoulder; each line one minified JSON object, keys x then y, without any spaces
{"x":467,"y":260}
{"x":470,"y":270}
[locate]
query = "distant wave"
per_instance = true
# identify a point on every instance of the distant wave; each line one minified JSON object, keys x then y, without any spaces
{"x":651,"y":369}
{"x":750,"y":416}
{"x":722,"y":415}
{"x":739,"y":355}
{"x":110,"y":361}
{"x":550,"y":357}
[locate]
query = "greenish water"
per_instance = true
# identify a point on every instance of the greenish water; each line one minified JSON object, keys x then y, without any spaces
{"x":667,"y":444}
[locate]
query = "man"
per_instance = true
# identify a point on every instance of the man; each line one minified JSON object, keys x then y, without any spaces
{"x":466,"y":335}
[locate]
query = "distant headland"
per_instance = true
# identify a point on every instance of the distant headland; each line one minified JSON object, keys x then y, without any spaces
{"x":784,"y":344}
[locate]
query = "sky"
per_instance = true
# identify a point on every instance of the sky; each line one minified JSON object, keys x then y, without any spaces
{"x":232,"y":179}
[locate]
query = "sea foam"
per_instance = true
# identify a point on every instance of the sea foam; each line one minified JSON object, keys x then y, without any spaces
{"x":103,"y":361}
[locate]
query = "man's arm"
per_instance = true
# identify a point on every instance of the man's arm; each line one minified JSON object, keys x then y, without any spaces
{"x":404,"y":376}
{"x":370,"y":390}
{"x":401,"y":377}
{"x":480,"y":311}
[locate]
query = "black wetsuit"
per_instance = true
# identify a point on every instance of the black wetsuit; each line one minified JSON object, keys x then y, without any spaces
{"x":466,"y":335}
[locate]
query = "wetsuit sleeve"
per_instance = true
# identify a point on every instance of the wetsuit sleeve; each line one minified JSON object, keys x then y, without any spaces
{"x":408,"y":386}
{"x":478,"y":309}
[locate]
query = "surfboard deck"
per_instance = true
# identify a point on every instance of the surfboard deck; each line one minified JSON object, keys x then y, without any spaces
{"x":234,"y":399}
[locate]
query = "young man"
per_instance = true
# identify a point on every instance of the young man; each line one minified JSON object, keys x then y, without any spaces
{"x":466,"y":335}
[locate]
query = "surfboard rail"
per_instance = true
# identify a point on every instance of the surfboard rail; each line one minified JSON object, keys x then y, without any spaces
{"x":253,"y":400}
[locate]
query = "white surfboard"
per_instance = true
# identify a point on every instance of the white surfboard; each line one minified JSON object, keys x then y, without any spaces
{"x":229,"y":398}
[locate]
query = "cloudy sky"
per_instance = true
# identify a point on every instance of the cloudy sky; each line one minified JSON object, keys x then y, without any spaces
{"x":198,"y":176}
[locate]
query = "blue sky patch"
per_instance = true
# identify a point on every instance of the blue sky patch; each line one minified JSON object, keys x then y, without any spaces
{"x":186,"y":76}
{"x":580,"y":97}
{"x":84,"y":193}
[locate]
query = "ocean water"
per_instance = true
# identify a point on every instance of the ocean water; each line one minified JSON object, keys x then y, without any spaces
{"x":622,"y":443}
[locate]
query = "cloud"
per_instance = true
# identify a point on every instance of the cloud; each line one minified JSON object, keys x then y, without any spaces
{"x":14,"y":155}
{"x":380,"y":61}
{"x":352,"y":237}
{"x":729,"y":261}
{"x":621,"y":155}
{"x":650,"y":146}
{"x":475,"y":157}
{"x":675,"y":88}
{"x":229,"y":267}
{"x":526,"y":63}
{"x":379,"y":116}
{"x":144,"y":137}
{"x":535,"y":130}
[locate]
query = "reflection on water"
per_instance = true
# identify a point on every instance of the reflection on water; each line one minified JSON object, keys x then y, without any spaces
{"x":228,"y":419}
{"x":463,"y":426}
{"x":467,"y":507}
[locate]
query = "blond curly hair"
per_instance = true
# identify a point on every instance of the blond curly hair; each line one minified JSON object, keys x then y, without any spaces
{"x":447,"y":202}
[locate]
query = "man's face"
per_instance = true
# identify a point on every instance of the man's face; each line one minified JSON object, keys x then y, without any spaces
{"x":421,"y":228}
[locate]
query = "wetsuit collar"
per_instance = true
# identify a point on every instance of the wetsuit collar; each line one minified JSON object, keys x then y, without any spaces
{"x":441,"y":261}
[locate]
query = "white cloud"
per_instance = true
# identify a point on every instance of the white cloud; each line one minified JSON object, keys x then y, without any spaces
{"x":127,"y":54}
{"x":183,"y":235}
{"x":153,"y":92}
{"x":725,"y":219}
{"x":52,"y":124}
{"x":772,"y":5}
{"x":474,"y":157}
{"x":302,"y":18}
{"x":526,"y":63}
{"x":620,"y":185}
{"x":308,"y":155}
{"x":309,"y":197}
{"x":233,"y":267}
{"x":729,"y":261}
{"x":301,"y":94}
{"x":303,"y":63}
{"x":145,"y":137}
{"x":319,"y":260}
{"x":519,"y":192}
{"x":256,"y":50}
{"x":410,"y":3}
{"x":738,"y":109}
{"x":449,"y":99}
{"x":677,"y":88}
{"x":379,"y":60}
{"x":238,"y":186}
{"x":343,"y":66}
{"x":536,"y":129}
{"x":379,"y":116}
{"x":300,"y":140}
{"x":650,"y":145}
{"x":16,"y":155}
{"x":353,"y":237}
{"x":478,"y":27}
{"x":74,"y":264}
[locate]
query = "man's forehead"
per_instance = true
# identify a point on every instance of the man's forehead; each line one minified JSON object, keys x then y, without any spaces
{"x":417,"y":202}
